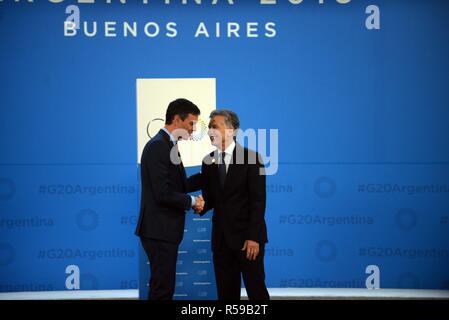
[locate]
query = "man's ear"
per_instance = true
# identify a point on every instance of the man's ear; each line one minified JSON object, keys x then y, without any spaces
{"x":176,"y":119}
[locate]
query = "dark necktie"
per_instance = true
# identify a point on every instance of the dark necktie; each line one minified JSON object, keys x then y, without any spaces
{"x":222,"y":170}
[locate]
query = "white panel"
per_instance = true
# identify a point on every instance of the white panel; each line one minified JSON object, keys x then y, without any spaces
{"x":153,"y":97}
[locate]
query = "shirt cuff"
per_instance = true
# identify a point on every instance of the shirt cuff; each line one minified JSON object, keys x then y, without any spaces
{"x":193,"y":200}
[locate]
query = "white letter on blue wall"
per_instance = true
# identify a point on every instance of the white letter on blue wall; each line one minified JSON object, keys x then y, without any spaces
{"x":74,"y":16}
{"x":373,"y":280}
{"x":373,"y":20}
{"x":72,"y":282}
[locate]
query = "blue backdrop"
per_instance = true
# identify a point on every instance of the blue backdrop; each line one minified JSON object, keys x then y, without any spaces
{"x":362,"y":115}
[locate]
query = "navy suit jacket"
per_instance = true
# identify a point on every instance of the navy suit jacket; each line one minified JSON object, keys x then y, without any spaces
{"x":239,"y":208}
{"x":164,"y":201}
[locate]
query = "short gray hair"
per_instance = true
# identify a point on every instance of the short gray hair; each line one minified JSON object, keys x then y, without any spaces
{"x":230,"y":117}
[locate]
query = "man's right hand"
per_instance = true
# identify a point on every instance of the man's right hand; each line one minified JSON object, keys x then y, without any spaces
{"x":199,"y":204}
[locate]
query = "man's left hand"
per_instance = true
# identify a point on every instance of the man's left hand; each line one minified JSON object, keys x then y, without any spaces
{"x":252,"y":249}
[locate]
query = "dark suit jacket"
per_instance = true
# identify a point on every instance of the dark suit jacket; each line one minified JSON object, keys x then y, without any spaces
{"x":164,"y":200}
{"x":239,"y":209}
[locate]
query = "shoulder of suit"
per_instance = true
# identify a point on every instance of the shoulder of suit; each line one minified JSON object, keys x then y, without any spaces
{"x":245,"y":149}
{"x":250,"y":154}
{"x":209,"y":156}
{"x":209,"y":159}
{"x":157,"y":142}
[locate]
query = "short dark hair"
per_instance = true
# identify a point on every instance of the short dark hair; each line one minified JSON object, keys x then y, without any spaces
{"x":230,"y":117}
{"x":182,"y":108}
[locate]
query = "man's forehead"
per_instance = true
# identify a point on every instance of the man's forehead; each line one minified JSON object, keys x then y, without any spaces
{"x":217,"y":119}
{"x":192,"y":117}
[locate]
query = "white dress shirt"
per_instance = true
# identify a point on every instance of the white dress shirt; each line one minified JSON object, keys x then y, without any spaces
{"x":228,"y":154}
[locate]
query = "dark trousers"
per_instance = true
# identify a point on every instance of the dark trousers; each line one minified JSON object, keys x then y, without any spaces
{"x":230,"y":265}
{"x":162,"y":257}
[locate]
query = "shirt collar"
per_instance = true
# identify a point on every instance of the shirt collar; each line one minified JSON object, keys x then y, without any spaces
{"x":229,"y":149}
{"x":170,"y":135}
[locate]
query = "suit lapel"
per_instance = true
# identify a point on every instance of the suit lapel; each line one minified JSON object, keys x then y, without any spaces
{"x":180,"y":166}
{"x":214,"y":166}
{"x":182,"y":170}
{"x":214,"y":171}
{"x":231,"y":174}
{"x":232,"y":170}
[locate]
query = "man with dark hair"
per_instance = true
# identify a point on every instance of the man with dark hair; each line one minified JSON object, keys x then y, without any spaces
{"x":182,"y":108}
{"x":234,"y":186}
{"x":164,"y":198}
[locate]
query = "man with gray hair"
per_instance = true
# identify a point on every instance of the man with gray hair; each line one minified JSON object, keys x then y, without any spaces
{"x":234,"y":186}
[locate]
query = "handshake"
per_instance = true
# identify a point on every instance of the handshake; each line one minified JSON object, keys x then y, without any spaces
{"x":199,"y":204}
